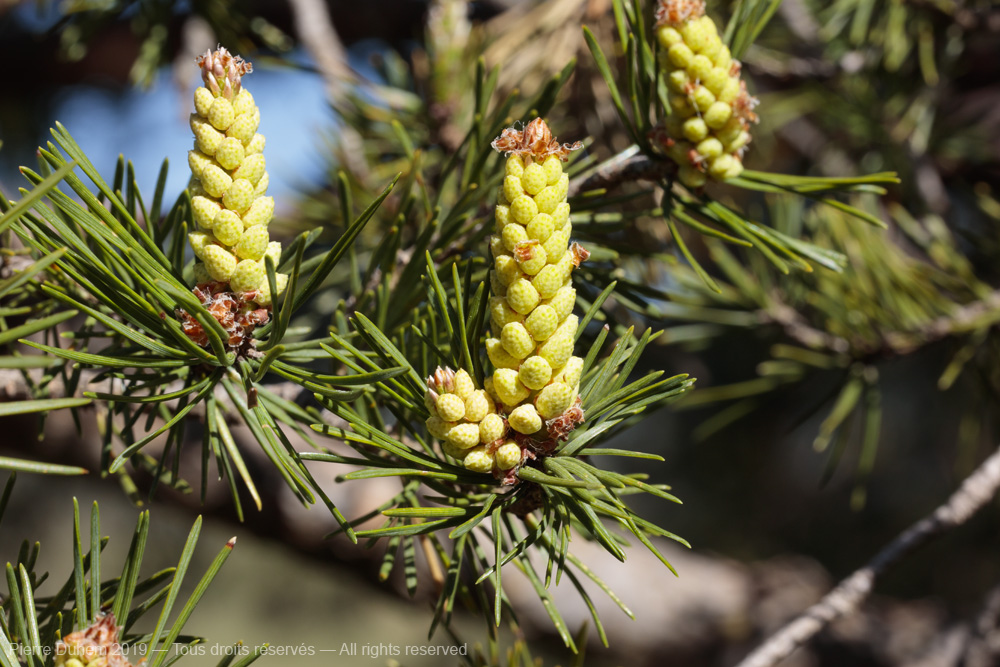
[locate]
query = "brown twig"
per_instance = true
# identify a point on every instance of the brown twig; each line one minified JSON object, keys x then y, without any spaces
{"x":977,"y":490}
{"x":967,"y":318}
{"x":622,"y":168}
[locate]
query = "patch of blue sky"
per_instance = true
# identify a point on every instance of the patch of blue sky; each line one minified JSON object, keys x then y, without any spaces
{"x":150,"y":125}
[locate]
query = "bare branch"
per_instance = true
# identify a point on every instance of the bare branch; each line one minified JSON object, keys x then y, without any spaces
{"x":964,"y":319}
{"x":315,"y":29}
{"x":975,"y":492}
{"x":623,"y":167}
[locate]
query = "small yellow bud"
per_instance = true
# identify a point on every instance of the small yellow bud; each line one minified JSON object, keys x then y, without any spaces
{"x":204,"y":211}
{"x":719,"y":167}
{"x":680,"y":55}
{"x":542,"y":322}
{"x":695,"y":129}
{"x":491,"y":428}
{"x":253,"y":243}
{"x":508,"y":270}
{"x":568,"y":327}
{"x":464,"y":386}
{"x":450,"y":407}
{"x":219,"y":262}
{"x":531,"y":256}
{"x":245,"y":126}
{"x":522,"y":296}
{"x":541,"y":227}
{"x":523,"y":208}
{"x":741,"y":140}
{"x":499,"y":357}
{"x":227,"y":227}
{"x":200,"y":274}
{"x":562,"y":186}
{"x":715,"y":80}
{"x":264,"y":291}
{"x":508,"y":455}
{"x":514,"y":166}
{"x":678,"y":80}
{"x":206,"y":137}
{"x":198,"y":161}
{"x":274,"y":252}
{"x":548,"y":281}
{"x":557,"y":350}
{"x":198,"y":241}
{"x":512,"y":235}
{"x":702,"y":98}
{"x":516,"y":340}
{"x":203,"y":99}
{"x":429,"y":403}
{"x":560,"y":216}
{"x":260,"y":212}
{"x":691,"y":177}
{"x":699,"y":68}
{"x":535,"y":373}
{"x":464,"y":436}
{"x":239,"y":196}
{"x":230,"y":153}
{"x":553,"y":169}
{"x":261,"y":188}
{"x":215,"y":180}
{"x":243,"y":102}
{"x":221,"y":114}
{"x":509,"y":388}
{"x":512,"y":187}
{"x":534,"y":178}
{"x":554,"y":400}
{"x":247,"y":276}
{"x":730,"y":91}
{"x":709,"y":148}
{"x":497,"y":248}
{"x":563,"y":301}
{"x":570,"y":373}
{"x":438,"y":427}
{"x":502,"y":313}
{"x":525,"y":419}
{"x":496,"y":286}
{"x":478,"y":460}
{"x":555,"y":246}
{"x":723,"y":58}
{"x":252,"y":168}
{"x":717,"y":115}
{"x":502,"y":216}
{"x":477,"y":406}
{"x":256,"y":144}
{"x":548,"y":199}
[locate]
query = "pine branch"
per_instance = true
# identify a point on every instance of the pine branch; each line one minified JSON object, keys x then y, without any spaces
{"x":976,"y":491}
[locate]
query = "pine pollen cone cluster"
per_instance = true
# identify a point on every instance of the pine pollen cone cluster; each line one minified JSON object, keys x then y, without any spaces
{"x":534,"y":389}
{"x":95,"y":646}
{"x":229,"y":204}
{"x":708,"y":129}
